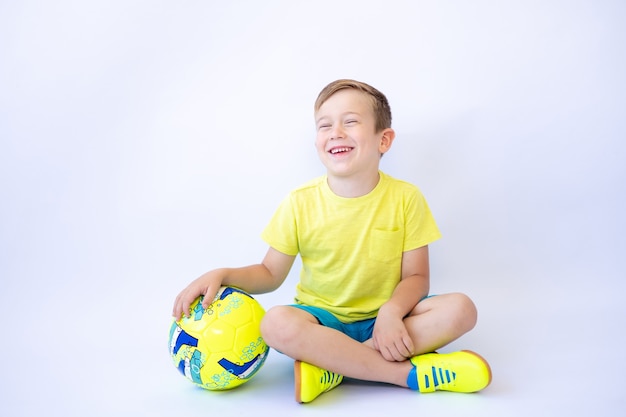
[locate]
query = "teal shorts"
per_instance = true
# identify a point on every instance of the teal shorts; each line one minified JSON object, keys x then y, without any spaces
{"x":359,"y":330}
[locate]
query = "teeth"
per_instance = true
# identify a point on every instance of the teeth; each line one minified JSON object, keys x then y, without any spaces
{"x":338,"y":150}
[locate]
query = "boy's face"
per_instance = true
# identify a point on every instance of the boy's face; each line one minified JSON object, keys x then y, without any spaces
{"x":347,"y":142}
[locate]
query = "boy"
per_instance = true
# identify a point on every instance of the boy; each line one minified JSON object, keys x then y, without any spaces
{"x":362,"y":306}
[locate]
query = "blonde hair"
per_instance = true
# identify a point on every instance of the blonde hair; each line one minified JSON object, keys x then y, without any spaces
{"x":380,"y":105}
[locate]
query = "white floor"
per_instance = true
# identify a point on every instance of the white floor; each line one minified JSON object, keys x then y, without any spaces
{"x":93,"y":351}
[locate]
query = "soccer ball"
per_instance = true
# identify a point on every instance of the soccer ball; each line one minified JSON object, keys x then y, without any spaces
{"x":221,"y":347}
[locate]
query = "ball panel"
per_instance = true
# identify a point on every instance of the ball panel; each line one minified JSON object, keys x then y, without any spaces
{"x":218,"y":337}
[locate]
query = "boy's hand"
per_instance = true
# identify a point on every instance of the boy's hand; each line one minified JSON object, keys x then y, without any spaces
{"x":391,"y":338}
{"x":207,"y":285}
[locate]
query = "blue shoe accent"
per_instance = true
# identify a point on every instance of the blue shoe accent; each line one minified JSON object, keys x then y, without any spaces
{"x":411,"y":380}
{"x":435,"y":380}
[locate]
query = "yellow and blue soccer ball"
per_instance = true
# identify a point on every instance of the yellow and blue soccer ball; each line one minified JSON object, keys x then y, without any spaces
{"x":220,"y":347}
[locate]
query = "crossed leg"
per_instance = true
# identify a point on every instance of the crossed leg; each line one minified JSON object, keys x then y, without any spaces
{"x":432,"y":324}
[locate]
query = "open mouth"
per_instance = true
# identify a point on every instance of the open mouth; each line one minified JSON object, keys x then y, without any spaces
{"x":335,"y":151}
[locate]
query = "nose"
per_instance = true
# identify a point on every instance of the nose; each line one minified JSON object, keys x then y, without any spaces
{"x":337,"y":131}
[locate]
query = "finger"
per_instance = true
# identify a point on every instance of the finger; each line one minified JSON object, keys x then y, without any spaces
{"x":209,"y":296}
{"x":391,"y":354}
{"x":186,"y":306}
{"x":408,"y":342}
{"x":402,"y":351}
{"x":387,"y":354}
{"x":398,"y":355}
{"x":207,"y":301}
{"x":177,"y":309}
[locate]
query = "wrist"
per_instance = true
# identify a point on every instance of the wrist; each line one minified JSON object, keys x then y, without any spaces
{"x":390,"y":309}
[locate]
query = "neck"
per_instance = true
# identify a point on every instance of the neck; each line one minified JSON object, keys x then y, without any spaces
{"x":351,"y":187}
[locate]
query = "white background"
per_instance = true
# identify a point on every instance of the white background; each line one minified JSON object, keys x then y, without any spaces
{"x":145,"y":142}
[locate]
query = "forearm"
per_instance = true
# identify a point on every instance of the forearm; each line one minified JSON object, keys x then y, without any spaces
{"x":410,"y":291}
{"x":260,"y":278}
{"x":254,"y":279}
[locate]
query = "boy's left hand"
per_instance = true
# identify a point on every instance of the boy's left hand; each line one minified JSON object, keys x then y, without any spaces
{"x":391,"y":338}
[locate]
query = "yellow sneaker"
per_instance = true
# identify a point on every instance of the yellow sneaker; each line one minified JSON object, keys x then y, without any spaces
{"x":312,"y":381}
{"x":463,"y":371}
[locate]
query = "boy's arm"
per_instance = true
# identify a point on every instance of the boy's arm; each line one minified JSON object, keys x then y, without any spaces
{"x":255,"y":279}
{"x":390,"y":335}
{"x":415,"y":282}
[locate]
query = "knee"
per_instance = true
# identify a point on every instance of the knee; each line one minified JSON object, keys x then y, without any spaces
{"x":465,"y":310}
{"x":278,"y":327}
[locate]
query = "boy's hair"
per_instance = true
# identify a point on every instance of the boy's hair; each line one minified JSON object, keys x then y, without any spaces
{"x":380,"y":105}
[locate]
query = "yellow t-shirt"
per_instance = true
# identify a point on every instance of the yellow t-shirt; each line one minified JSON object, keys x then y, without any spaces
{"x":351,"y":248}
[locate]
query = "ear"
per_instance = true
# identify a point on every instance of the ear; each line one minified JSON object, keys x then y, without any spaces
{"x":386,"y":139}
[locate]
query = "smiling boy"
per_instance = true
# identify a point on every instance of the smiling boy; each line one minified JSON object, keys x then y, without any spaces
{"x":361,"y":308}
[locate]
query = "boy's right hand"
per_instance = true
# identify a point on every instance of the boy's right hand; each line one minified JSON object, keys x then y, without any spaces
{"x":207,"y":285}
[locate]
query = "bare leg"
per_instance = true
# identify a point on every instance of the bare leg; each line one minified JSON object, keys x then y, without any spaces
{"x":438,"y":321}
{"x":433,"y":323}
{"x":298,"y":335}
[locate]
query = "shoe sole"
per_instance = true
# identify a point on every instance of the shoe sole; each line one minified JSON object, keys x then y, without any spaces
{"x":297,"y":379}
{"x":485,"y":362}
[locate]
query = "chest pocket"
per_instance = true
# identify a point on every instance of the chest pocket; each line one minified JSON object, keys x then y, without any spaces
{"x":385,"y":245}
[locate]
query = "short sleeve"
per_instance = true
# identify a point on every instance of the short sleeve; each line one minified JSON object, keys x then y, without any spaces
{"x":420,"y":228}
{"x":282,"y":232}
